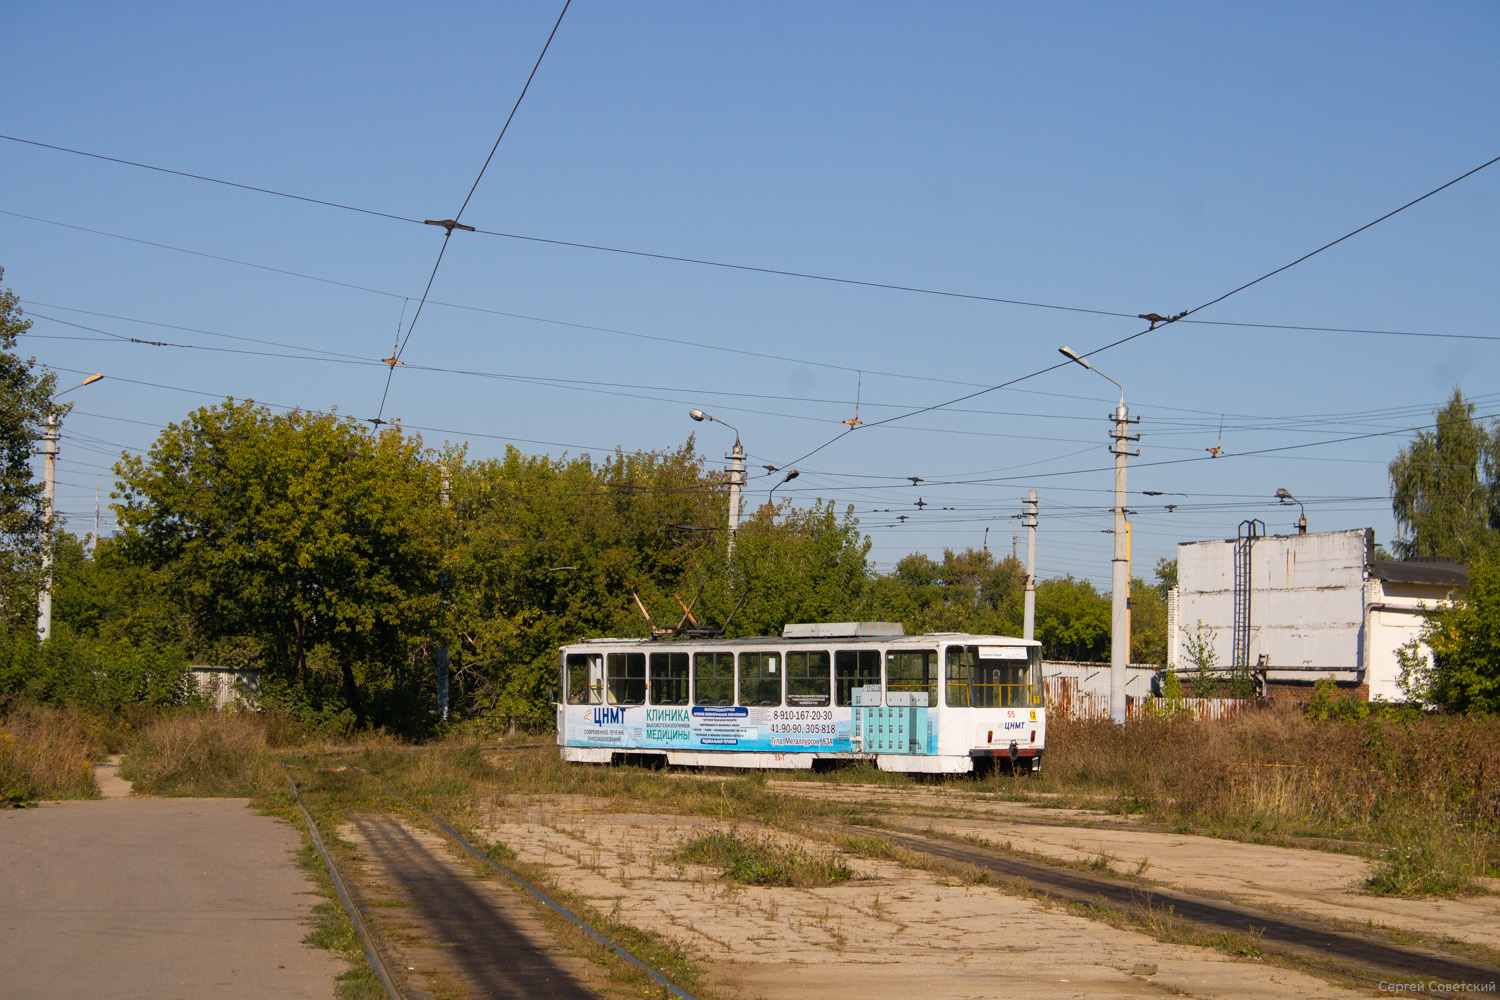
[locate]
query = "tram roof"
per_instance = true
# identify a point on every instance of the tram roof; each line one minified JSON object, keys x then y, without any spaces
{"x":923,"y":639}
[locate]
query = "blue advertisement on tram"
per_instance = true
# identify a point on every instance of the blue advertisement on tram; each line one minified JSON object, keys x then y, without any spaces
{"x":709,"y":727}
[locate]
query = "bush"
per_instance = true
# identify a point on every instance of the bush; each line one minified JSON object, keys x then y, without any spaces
{"x":103,"y":676}
{"x":47,"y":753}
{"x":1388,"y":781}
{"x":201,"y":753}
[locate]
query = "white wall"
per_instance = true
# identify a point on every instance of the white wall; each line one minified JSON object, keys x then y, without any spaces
{"x":1307,"y":598}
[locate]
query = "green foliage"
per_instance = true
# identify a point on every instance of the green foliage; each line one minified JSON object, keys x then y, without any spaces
{"x":103,"y":675}
{"x":1148,"y":624}
{"x":1445,"y":488}
{"x":297,"y":530}
{"x":1166,"y":576}
{"x":25,"y":402}
{"x":548,"y":551}
{"x":1327,"y":705}
{"x":1464,"y":637}
{"x":1072,"y":620}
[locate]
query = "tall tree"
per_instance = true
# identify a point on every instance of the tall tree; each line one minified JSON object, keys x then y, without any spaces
{"x":25,"y":402}
{"x":1445,"y":488}
{"x":303,"y":531}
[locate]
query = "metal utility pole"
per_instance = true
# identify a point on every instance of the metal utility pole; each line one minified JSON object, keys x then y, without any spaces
{"x":1119,"y":618}
{"x":49,"y":449}
{"x":1029,"y":519}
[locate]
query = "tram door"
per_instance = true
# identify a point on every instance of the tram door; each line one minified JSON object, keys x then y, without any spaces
{"x":904,"y":721}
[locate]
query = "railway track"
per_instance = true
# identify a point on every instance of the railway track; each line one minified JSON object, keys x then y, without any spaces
{"x":1311,"y":943}
{"x":488,"y":943}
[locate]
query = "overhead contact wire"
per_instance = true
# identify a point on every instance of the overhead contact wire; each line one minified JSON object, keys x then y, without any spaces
{"x":453,"y":223}
{"x":1157,"y":324}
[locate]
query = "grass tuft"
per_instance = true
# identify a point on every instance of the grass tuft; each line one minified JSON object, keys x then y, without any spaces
{"x":201,"y":754}
{"x":48,"y":753}
{"x":1434,"y":862}
{"x":762,"y":861}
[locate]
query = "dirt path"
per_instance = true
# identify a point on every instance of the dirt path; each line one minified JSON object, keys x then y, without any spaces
{"x":107,"y":777}
{"x":454,"y":931}
{"x":891,"y":934}
{"x":172,"y":899}
{"x":1281,"y":879}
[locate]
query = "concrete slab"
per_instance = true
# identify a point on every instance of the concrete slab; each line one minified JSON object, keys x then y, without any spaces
{"x":171,"y":899}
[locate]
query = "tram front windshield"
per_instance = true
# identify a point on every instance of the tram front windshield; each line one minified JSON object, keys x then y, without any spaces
{"x":994,"y":676}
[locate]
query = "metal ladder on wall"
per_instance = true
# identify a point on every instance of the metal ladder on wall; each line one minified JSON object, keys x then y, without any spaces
{"x":1244,"y":545}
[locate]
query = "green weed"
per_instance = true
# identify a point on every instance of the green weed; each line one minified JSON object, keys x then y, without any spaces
{"x":763,"y":861}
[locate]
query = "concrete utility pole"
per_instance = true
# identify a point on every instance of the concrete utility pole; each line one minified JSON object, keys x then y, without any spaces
{"x":49,"y":449}
{"x":44,"y":599}
{"x":1029,"y":519}
{"x":441,"y":655}
{"x":736,"y":476}
{"x":1119,"y":642}
{"x":1119,"y":618}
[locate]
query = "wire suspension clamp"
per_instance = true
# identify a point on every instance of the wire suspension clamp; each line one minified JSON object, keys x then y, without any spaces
{"x":448,"y":224}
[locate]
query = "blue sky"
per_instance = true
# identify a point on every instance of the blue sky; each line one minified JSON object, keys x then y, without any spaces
{"x":1122,"y":158}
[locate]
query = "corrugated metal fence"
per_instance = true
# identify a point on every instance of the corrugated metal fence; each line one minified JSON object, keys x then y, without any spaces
{"x":1081,"y":691}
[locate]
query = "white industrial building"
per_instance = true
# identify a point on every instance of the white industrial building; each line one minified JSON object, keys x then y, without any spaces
{"x":1296,"y":608}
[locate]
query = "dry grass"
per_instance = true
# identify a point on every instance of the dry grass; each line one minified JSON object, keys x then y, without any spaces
{"x":1391,"y":784}
{"x":48,"y":753}
{"x":201,"y":753}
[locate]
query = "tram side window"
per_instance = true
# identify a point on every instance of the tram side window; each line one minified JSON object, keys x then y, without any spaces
{"x":585,"y":679}
{"x":854,"y":668}
{"x":669,"y":679}
{"x":912,"y":670}
{"x":807,"y":678}
{"x":959,"y":660}
{"x":760,"y":678}
{"x":627,"y":678}
{"x":713,"y":678}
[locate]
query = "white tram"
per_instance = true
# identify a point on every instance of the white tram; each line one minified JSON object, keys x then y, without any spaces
{"x":816,"y":695}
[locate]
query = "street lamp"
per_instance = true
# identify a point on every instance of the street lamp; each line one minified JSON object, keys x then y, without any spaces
{"x":1286,"y":497}
{"x":736,"y":475}
{"x":49,"y":477}
{"x":1119,"y":642}
{"x":791,"y":474}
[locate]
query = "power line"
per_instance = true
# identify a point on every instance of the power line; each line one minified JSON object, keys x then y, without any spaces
{"x":212,"y":180}
{"x":451,"y":224}
{"x":1158,"y":322}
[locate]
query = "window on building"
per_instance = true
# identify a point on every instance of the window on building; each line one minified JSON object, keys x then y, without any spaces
{"x":627,"y":678}
{"x":760,"y":678}
{"x":713,"y":678}
{"x":807,"y":678}
{"x":912,"y":670}
{"x":854,"y":668}
{"x":669,"y":678}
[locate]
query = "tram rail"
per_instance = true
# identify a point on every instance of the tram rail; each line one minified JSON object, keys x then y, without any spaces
{"x":371,"y":946}
{"x":1308,"y":941}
